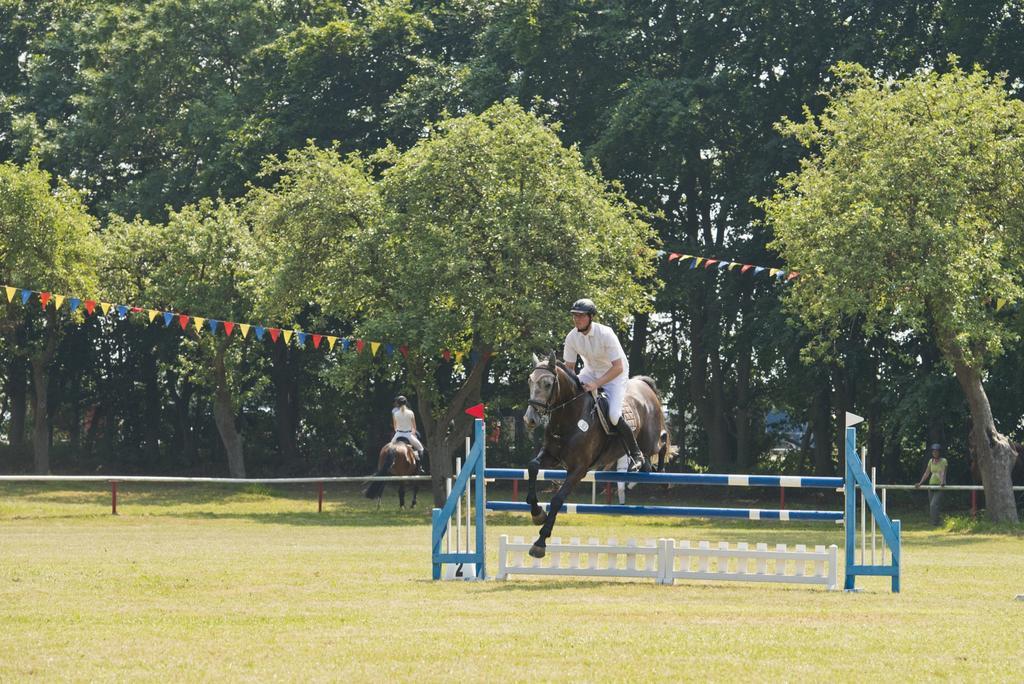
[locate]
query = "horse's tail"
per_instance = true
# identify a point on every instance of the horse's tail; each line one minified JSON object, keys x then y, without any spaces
{"x":376,"y":488}
{"x":663,"y":449}
{"x":650,"y":383}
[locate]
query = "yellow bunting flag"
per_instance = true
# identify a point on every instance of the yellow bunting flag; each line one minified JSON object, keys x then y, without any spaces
{"x":773,"y":271}
{"x":734,"y":265}
{"x":1000,"y":303}
{"x":331,"y":341}
{"x":152,"y":313}
{"x":374,"y":346}
{"x":287,"y":335}
{"x":105,"y":308}
{"x":58,"y":301}
{"x":698,"y":262}
{"x":244,"y":327}
{"x":198,"y":322}
{"x":10,"y":293}
{"x":458,"y":357}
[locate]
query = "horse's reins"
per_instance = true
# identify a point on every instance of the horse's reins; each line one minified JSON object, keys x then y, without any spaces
{"x":545,"y":407}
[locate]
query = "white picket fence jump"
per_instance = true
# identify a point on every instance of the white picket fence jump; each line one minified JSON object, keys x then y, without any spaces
{"x":668,"y":560}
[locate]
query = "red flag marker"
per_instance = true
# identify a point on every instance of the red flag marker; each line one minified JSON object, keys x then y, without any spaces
{"x":44,"y":298}
{"x":707,"y":264}
{"x":673,"y":256}
{"x":476,"y":411}
{"x":405,"y":351}
{"x":274,"y":333}
{"x":183,"y":321}
{"x":746,"y":268}
{"x":316,"y":340}
{"x":229,"y":327}
{"x":90,"y":306}
{"x":359,"y":346}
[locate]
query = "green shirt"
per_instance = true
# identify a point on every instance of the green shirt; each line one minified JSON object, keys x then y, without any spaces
{"x":937,"y":468}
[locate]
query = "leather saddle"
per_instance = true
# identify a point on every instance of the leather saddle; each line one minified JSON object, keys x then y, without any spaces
{"x":601,"y":409}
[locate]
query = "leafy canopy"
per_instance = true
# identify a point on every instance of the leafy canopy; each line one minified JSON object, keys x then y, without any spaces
{"x":908,"y":215}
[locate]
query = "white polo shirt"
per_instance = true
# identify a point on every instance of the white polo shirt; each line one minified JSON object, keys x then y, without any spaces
{"x":599,"y":347}
{"x":404,"y":418}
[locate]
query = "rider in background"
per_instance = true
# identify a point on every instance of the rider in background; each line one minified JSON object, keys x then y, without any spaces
{"x":604,"y":365}
{"x":403,"y":420}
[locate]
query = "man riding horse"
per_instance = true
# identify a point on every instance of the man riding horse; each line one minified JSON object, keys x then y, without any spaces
{"x":604,"y":366}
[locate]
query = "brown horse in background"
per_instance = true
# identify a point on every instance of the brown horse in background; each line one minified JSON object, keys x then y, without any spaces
{"x":395,"y":458}
{"x":574,"y":437}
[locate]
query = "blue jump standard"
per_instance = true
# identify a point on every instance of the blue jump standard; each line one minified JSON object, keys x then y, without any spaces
{"x":674,"y":478}
{"x":678,"y":511}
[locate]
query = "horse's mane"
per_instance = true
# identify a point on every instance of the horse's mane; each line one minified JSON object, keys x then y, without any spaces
{"x":572,"y":375}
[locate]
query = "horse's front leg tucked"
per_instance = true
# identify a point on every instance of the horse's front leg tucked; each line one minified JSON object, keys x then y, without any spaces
{"x":572,"y":478}
{"x":542,"y":460}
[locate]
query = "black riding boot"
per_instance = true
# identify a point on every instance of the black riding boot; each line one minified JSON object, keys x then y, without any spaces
{"x":636,"y":458}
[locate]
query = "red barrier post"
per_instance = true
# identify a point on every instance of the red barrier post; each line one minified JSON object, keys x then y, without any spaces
{"x":113,"y":497}
{"x":515,"y":490}
{"x":319,"y":497}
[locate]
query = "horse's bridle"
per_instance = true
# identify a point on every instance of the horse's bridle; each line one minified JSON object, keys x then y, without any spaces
{"x":545,"y":408}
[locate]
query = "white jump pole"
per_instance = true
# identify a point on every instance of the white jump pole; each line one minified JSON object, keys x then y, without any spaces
{"x":469,"y":514}
{"x":458,"y":511}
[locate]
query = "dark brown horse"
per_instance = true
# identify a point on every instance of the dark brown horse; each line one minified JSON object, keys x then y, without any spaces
{"x":574,"y":438}
{"x":395,"y":458}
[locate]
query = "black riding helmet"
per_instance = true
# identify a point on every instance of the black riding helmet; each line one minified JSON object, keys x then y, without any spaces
{"x":401,"y":401}
{"x":584,"y":306}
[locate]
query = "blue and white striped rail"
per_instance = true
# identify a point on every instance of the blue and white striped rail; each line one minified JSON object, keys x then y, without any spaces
{"x":674,"y":478}
{"x":679,"y":511}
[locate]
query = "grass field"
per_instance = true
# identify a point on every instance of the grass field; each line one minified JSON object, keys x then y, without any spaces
{"x":217,"y":583}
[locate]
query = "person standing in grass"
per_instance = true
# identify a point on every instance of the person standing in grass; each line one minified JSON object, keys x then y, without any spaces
{"x":936,"y":469}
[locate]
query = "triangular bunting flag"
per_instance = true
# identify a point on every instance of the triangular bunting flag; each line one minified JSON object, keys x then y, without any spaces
{"x":374,"y":346}
{"x":1000,"y":303}
{"x":773,"y":271}
{"x":446,"y":355}
{"x":287,"y":335}
{"x":122,"y":310}
{"x":44,"y":299}
{"x":389,"y":350}
{"x":331,"y":341}
{"x":244,"y":327}
{"x":25,"y":295}
{"x":300,"y":337}
{"x":316,"y":341}
{"x":344,"y":344}
{"x":58,"y":301}
{"x":792,"y":274}
{"x":673,"y":256}
{"x":229,"y":328}
{"x":198,"y":321}
{"x":11,"y":291}
{"x":696,"y":262}
{"x":708,"y":263}
{"x":105,"y":308}
{"x":74,"y":303}
{"x":404,"y":351}
{"x":152,"y":313}
{"x":213,"y":325}
{"x":722,"y":265}
{"x":359,"y":346}
{"x":183,"y":321}
{"x":758,"y":269}
{"x":746,"y":267}
{"x":458,"y":358}
{"x":476,"y":411}
{"x":168,"y":317}
{"x":259,"y":330}
{"x":90,"y":306}
{"x":275,"y":333}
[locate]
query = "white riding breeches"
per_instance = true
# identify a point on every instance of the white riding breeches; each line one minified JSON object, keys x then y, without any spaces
{"x":410,"y":436}
{"x":616,"y":391}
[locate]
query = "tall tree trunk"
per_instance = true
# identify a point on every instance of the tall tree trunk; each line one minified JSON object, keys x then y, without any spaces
{"x":821,"y":423}
{"x":40,"y":386}
{"x":993,"y":450}
{"x":439,"y":442}
{"x":224,"y":414}
{"x":17,"y":393}
{"x":286,"y":399}
{"x":744,"y":404}
{"x":638,"y":346}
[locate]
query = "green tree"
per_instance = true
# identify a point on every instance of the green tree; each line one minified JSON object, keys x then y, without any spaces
{"x":47,"y":243}
{"x":493,"y":228}
{"x":908,"y":216}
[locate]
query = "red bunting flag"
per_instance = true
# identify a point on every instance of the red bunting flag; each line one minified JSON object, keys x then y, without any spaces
{"x":274,"y":333}
{"x":673,"y":256}
{"x":90,"y":306}
{"x":446,"y":355}
{"x":136,"y":309}
{"x":746,"y":267}
{"x":183,"y":321}
{"x":405,"y":351}
{"x":359,"y":346}
{"x":44,"y":298}
{"x":792,"y":275}
{"x":476,"y":411}
{"x":316,"y":340}
{"x":229,"y":327}
{"x":707,"y":264}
